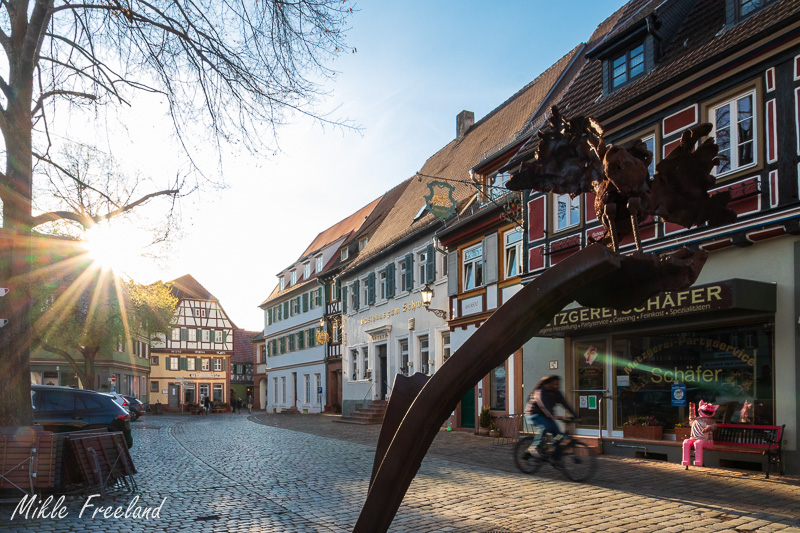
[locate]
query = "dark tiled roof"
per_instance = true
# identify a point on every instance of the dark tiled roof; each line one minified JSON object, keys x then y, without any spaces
{"x":453,"y":162}
{"x":243,"y":345}
{"x":340,"y":229}
{"x":186,"y":287}
{"x":702,"y":40}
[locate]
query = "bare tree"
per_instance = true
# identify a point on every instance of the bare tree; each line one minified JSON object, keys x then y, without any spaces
{"x":230,"y":68}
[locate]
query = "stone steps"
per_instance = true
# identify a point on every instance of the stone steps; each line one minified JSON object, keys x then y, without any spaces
{"x":371,"y":414}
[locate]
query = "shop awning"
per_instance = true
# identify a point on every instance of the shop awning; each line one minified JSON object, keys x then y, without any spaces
{"x":733,"y":298}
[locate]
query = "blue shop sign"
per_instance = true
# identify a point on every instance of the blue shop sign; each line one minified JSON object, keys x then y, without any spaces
{"x":678,"y":395}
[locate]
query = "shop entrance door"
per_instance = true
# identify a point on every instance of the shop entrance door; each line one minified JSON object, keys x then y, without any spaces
{"x":468,"y":410}
{"x":590,"y":382}
{"x":383,"y":371}
{"x":174,"y":400}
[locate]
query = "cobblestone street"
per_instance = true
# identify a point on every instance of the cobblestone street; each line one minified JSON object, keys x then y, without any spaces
{"x":298,"y":473}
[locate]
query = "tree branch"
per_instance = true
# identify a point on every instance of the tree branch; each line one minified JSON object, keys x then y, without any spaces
{"x":48,"y":94}
{"x":63,"y":353}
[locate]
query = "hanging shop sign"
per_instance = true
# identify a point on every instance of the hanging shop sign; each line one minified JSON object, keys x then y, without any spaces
{"x":730,"y":294}
{"x":440,"y":199}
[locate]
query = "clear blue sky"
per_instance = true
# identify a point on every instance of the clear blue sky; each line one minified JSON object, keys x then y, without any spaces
{"x":418,"y":64}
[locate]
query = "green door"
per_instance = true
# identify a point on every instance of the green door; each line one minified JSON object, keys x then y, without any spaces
{"x":468,"y":410}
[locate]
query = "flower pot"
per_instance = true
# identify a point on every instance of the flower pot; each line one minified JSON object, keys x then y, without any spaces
{"x":681,"y":434}
{"x":643,"y":432}
{"x":494,"y":433}
{"x":483,"y":431}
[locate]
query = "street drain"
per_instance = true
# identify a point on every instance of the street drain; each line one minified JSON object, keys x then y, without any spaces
{"x":210,"y":517}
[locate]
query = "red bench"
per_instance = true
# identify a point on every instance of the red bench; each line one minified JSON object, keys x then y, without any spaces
{"x":755,"y":440}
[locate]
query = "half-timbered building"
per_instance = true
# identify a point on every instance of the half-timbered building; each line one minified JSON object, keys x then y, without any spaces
{"x":193,"y":361}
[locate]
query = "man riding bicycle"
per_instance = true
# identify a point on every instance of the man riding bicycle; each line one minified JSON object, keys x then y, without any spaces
{"x":539,"y":412}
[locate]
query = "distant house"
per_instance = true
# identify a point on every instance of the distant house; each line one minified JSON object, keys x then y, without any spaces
{"x":193,"y":362}
{"x":242,"y":363}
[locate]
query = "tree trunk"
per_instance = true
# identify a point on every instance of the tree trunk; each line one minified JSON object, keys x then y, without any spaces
{"x":15,"y":263}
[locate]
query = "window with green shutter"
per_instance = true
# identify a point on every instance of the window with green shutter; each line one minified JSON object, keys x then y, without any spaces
{"x":212,"y":336}
{"x":371,"y":288}
{"x":286,"y":309}
{"x":430,"y":269}
{"x":319,"y":296}
{"x":224,"y":336}
{"x":312,"y":338}
{"x":199,"y":335}
{"x":305,"y":303}
{"x":408,"y":282}
{"x":282,"y":344}
{"x":291,"y":342}
{"x":301,"y":340}
{"x":390,"y":281}
{"x":197,"y":363}
{"x":182,"y":363}
{"x":184,"y":334}
{"x":356,"y":301}
{"x":224,"y":363}
{"x":270,"y":316}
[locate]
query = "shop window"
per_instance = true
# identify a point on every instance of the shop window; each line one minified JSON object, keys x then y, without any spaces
{"x":204,"y":391}
{"x":713,"y":365}
{"x":189,"y":393}
{"x":734,"y":124}
{"x":218,"y":393}
{"x":497,"y":389}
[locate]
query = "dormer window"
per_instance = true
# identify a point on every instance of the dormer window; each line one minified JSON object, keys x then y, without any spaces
{"x":362,"y":243}
{"x":496,"y":185}
{"x":745,"y":8}
{"x":307,"y":271}
{"x":319,"y":264}
{"x":283,"y":282}
{"x":627,"y":66}
{"x":294,"y":277}
{"x":343,"y":254}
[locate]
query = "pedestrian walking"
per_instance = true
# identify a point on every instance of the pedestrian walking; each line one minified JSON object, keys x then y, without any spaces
{"x":233,"y":404}
{"x":250,"y":403}
{"x":207,"y":404}
{"x":239,"y":405}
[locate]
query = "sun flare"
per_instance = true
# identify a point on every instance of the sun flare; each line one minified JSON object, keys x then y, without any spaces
{"x":118,"y":247}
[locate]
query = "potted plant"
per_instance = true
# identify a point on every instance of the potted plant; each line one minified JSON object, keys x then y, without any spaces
{"x":642,"y":427}
{"x":494,"y":431}
{"x":484,"y":421}
{"x":682,"y":431}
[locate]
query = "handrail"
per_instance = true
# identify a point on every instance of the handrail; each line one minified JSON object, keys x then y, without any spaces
{"x":605,"y":396}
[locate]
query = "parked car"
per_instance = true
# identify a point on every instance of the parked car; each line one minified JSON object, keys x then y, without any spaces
{"x":135,"y":407}
{"x":120,"y":399}
{"x":61,"y":409}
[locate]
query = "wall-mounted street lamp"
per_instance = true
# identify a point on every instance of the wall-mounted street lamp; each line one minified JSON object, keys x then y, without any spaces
{"x":427,"y":296}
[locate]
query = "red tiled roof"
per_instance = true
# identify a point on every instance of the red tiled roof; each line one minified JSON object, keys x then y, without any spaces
{"x":186,"y":287}
{"x":340,"y":229}
{"x":243,"y":345}
{"x":453,"y":162}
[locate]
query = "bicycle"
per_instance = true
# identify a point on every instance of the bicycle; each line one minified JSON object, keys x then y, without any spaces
{"x":576,"y":460}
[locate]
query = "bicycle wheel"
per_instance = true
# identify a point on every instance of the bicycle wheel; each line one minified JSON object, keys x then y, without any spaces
{"x":579,"y":461}
{"x":526,"y":461}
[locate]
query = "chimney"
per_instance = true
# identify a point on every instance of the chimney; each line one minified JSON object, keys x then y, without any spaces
{"x":464,"y":122}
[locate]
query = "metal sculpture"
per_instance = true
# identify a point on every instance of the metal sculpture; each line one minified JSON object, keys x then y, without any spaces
{"x":571,"y":156}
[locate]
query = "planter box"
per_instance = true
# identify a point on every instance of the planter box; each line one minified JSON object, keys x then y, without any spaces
{"x":681,"y":434}
{"x":643,"y":432}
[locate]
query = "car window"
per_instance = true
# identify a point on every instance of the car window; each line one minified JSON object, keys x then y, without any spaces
{"x":57,"y":401}
{"x":35,"y":396}
{"x":88,"y":402}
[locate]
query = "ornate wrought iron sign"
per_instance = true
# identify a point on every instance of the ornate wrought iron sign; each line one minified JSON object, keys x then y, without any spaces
{"x":440,"y":200}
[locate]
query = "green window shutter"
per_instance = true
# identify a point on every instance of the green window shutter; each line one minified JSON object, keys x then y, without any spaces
{"x":338,"y":289}
{"x":319,"y":296}
{"x":305,"y":302}
{"x":356,"y":294}
{"x":344,"y":300}
{"x":430,"y":268}
{"x":224,"y":336}
{"x":278,"y":313}
{"x":283,"y":344}
{"x":301,"y":340}
{"x":184,"y":334}
{"x":409,"y":281}
{"x":286,"y":309}
{"x":198,"y":364}
{"x":212,"y":336}
{"x":390,"y":280}
{"x":328,"y":292}
{"x":291,"y":342}
{"x":371,"y":288}
{"x":166,"y":363}
{"x":270,"y":316}
{"x":199,"y":335}
{"x":312,"y":338}
{"x":224,"y":361}
{"x":182,"y":363}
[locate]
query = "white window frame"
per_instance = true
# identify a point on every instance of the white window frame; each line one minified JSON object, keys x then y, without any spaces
{"x":365,"y":362}
{"x":282,"y":281}
{"x":176,"y":334}
{"x":400,"y":270}
{"x":205,"y":364}
{"x":650,"y":142}
{"x":402,"y":352}
{"x":353,"y":365}
{"x":364,"y":286}
{"x":381,"y":288}
{"x":424,"y":351}
{"x":444,"y":338}
{"x":573,"y":206}
{"x":206,"y":335}
{"x":274,"y":390}
{"x":343,"y":254}
{"x":174,"y":363}
{"x":191,"y":364}
{"x":733,"y":105}
{"x":192,"y":335}
{"x":218,"y":336}
{"x":422,"y":261}
{"x":307,"y":384}
{"x":217,"y":364}
{"x":516,"y":247}
{"x":293,"y":281}
{"x":283,"y":390}
{"x":472,"y":267}
{"x":496,"y":188}
{"x":319,"y":264}
{"x":306,"y":270}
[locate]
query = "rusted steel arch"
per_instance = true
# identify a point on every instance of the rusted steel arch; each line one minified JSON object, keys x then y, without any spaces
{"x":595,"y":276}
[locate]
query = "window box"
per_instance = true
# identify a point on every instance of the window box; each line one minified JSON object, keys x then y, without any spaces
{"x":643,"y":432}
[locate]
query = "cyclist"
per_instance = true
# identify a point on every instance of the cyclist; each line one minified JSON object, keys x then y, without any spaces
{"x":539,"y":412}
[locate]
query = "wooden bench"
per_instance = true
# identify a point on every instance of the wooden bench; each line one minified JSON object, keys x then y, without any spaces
{"x":755,"y":440}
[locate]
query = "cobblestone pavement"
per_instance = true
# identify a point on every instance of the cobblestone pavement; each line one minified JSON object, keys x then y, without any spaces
{"x":307,"y":473}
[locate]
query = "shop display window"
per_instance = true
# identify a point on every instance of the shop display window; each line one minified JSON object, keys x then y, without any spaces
{"x":659,"y":375}
{"x":590,"y":365}
{"x":497,"y":388}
